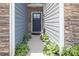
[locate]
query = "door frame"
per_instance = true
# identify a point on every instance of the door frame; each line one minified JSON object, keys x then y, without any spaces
{"x":32,"y":21}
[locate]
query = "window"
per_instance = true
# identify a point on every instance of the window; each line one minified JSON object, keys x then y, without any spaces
{"x":36,"y":15}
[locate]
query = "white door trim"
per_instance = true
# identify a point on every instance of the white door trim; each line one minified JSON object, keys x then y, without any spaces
{"x":32,"y":22}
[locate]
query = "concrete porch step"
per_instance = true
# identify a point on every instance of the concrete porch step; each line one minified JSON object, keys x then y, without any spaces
{"x":36,"y":54}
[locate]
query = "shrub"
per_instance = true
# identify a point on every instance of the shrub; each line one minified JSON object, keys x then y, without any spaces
{"x":44,"y":37}
{"x":21,"y":49}
{"x":41,"y":36}
{"x":26,"y":37}
{"x":66,"y":51}
{"x":73,"y":51}
{"x":51,"y":49}
{"x":29,"y":35}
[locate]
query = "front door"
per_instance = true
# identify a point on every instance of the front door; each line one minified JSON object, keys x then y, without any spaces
{"x":36,"y":22}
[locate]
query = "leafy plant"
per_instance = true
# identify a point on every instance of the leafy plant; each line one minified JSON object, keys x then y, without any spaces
{"x":66,"y":52}
{"x":41,"y":36}
{"x":21,"y":49}
{"x":73,"y":51}
{"x":29,"y":35}
{"x":26,"y":37}
{"x":51,"y":49}
{"x":44,"y":37}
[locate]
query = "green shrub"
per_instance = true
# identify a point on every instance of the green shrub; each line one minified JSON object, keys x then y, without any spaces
{"x":41,"y":36}
{"x":73,"y":51}
{"x":51,"y":49}
{"x":26,"y":37}
{"x":66,"y":52}
{"x":44,"y":37}
{"x":21,"y":49}
{"x":29,"y":35}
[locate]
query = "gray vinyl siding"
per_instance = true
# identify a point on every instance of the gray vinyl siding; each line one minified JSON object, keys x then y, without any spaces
{"x":51,"y":21}
{"x":20,"y":21}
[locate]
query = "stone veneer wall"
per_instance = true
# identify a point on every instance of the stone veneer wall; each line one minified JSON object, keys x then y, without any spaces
{"x":71,"y":15}
{"x":4,"y":29}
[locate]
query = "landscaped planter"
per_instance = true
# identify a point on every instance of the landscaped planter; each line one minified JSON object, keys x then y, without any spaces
{"x":50,"y":49}
{"x":44,"y":37}
{"x":73,"y":51}
{"x":22,"y":49}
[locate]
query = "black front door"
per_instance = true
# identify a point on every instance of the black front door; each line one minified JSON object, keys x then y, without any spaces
{"x":36,"y":22}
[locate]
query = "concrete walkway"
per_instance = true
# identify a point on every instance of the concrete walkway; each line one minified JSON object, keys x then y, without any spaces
{"x":36,"y":46}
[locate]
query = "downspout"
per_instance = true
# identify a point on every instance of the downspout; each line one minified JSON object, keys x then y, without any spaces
{"x":43,"y":21}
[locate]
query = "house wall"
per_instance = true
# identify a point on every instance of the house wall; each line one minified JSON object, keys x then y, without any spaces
{"x":32,"y":9}
{"x":4,"y":29}
{"x":51,"y":21}
{"x":71,"y":16}
{"x":20,"y":21}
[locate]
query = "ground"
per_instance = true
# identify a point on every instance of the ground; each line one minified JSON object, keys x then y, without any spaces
{"x":36,"y":46}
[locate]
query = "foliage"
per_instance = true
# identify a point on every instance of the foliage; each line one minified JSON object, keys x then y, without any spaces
{"x":41,"y":36}
{"x":21,"y":49}
{"x":73,"y":51}
{"x":66,"y":51}
{"x":29,"y":35}
{"x":51,"y":49}
{"x":26,"y":37}
{"x":44,"y":37}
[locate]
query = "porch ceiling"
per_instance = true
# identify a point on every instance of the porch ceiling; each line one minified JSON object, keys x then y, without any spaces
{"x":35,"y":4}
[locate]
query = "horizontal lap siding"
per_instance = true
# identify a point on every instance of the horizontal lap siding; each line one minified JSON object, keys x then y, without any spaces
{"x":51,"y":21}
{"x":4,"y":29}
{"x":20,"y":21}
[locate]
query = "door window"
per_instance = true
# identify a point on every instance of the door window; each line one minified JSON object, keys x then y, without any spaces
{"x":36,"y":15}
